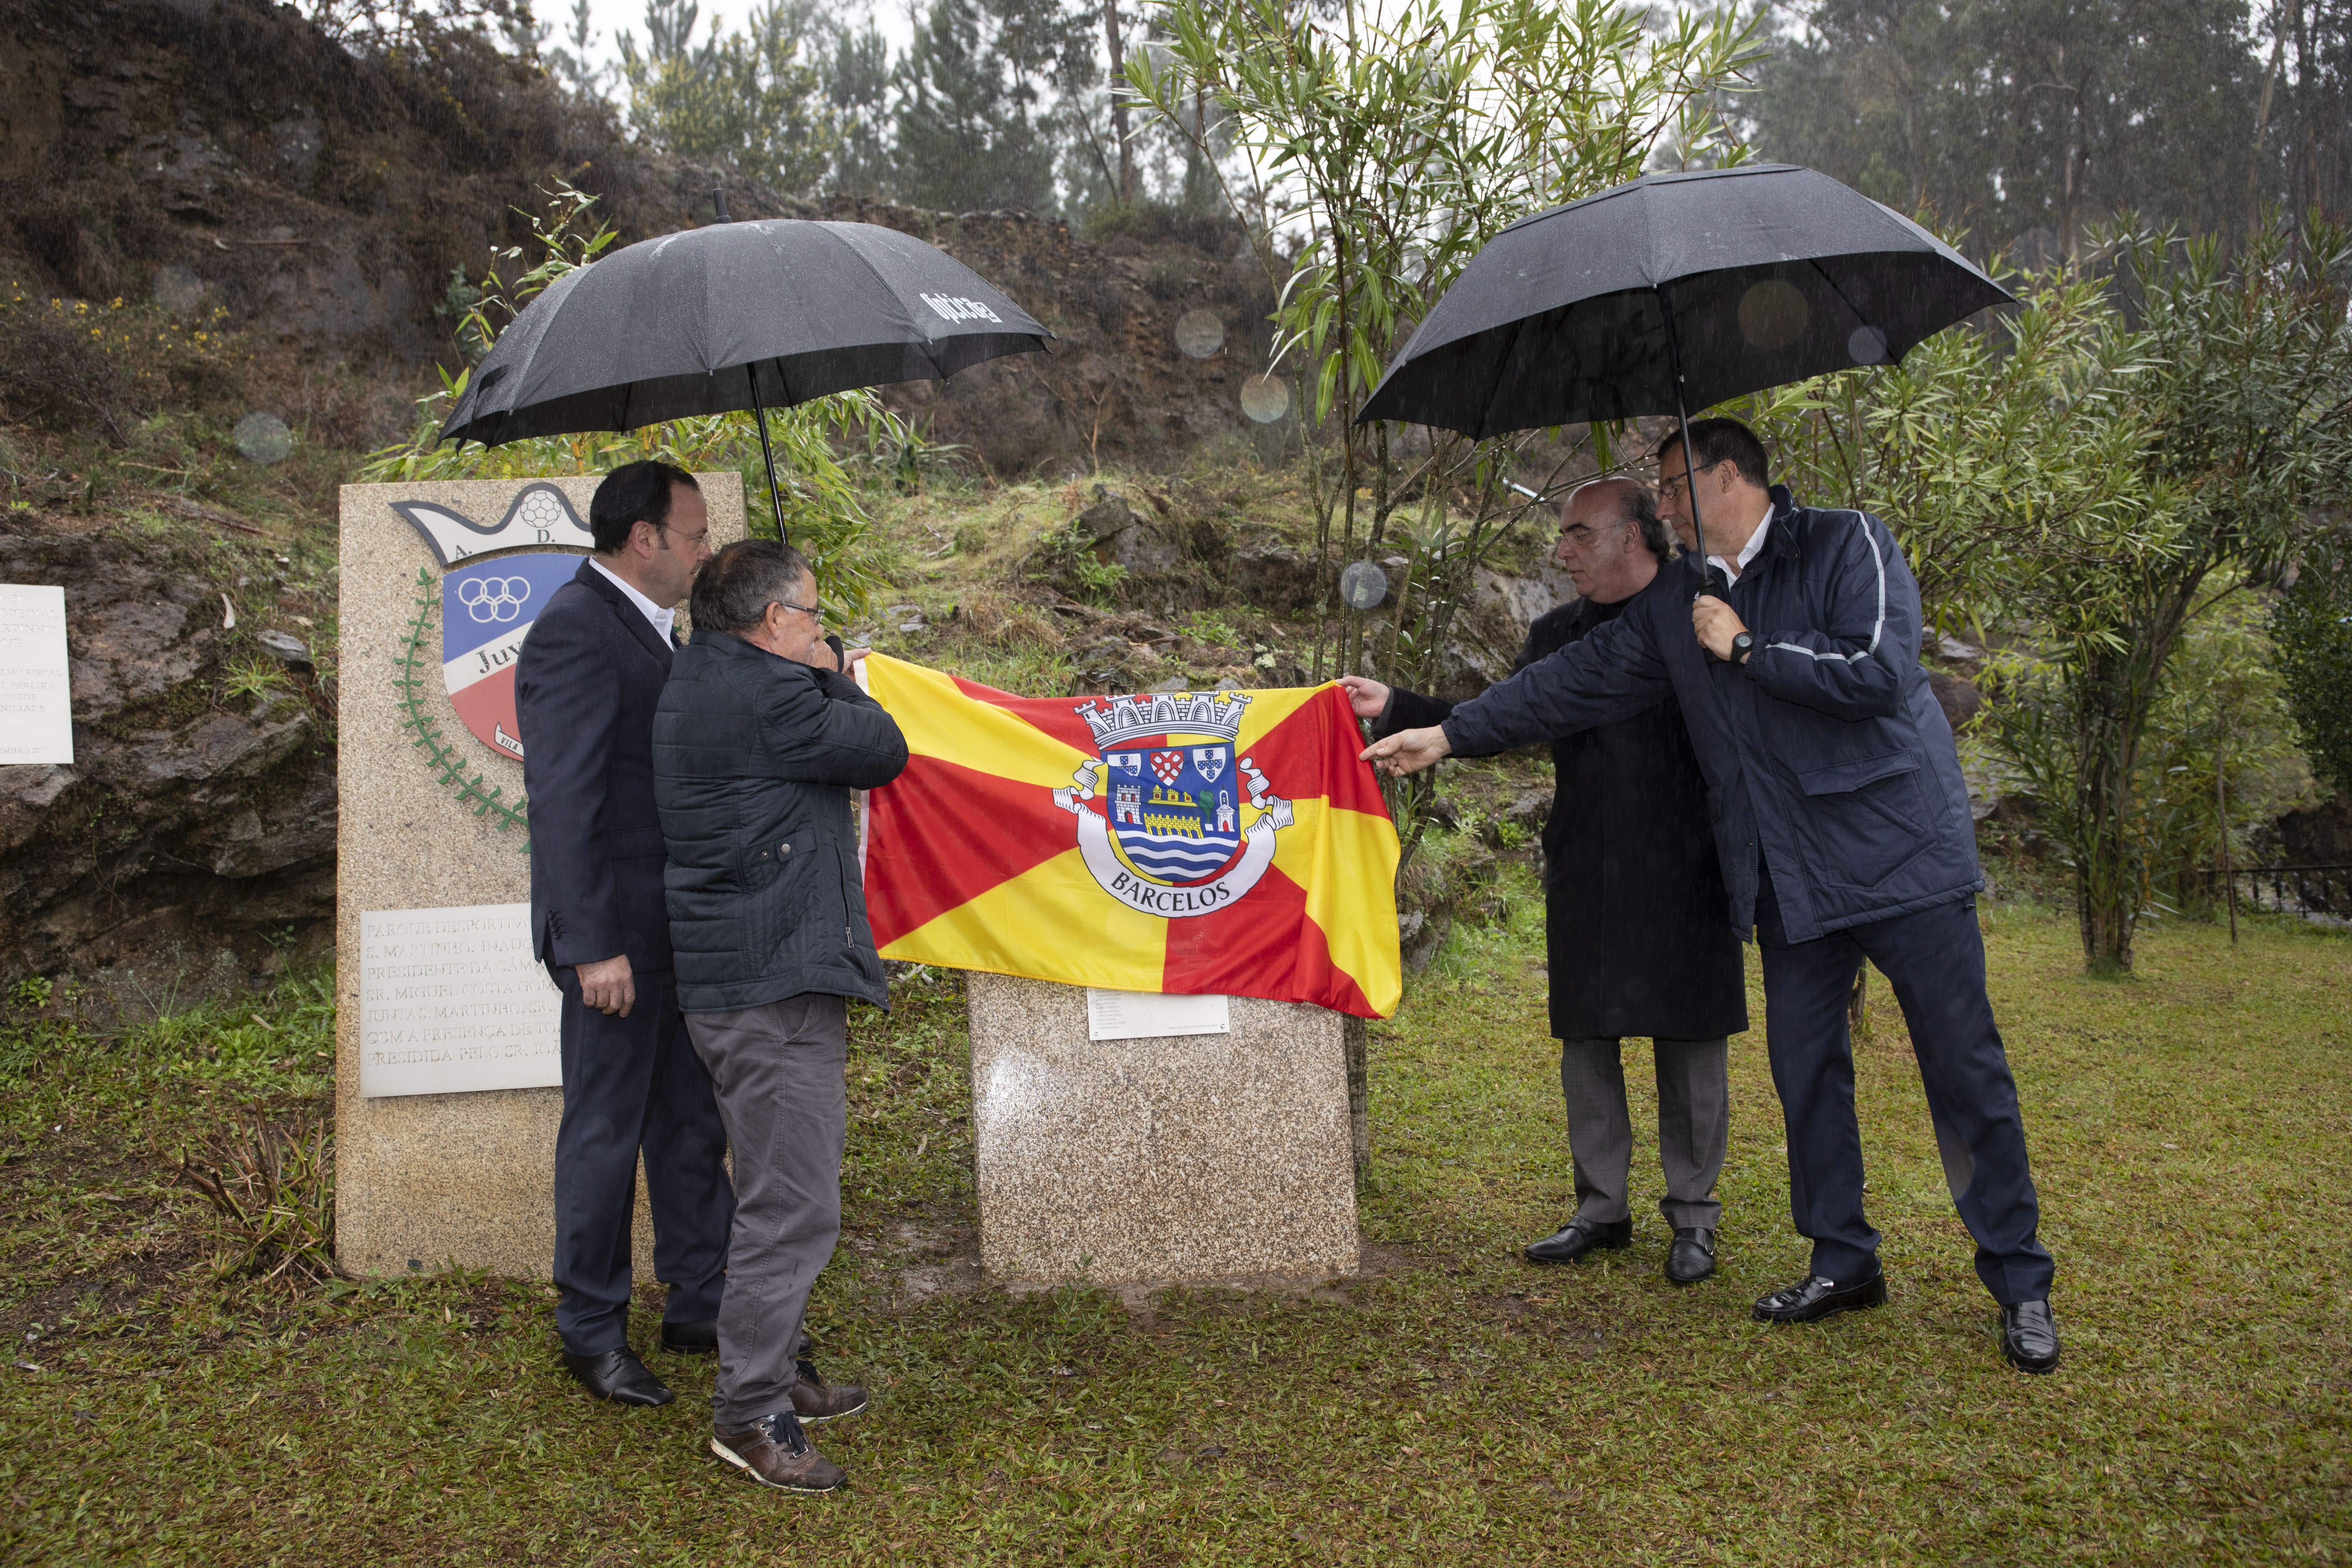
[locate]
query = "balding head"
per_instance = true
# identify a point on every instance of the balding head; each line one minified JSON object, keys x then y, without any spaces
{"x":1611,"y":539}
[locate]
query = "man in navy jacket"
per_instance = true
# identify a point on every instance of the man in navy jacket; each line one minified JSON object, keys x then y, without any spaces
{"x":1841,"y":823}
{"x":586,"y":683}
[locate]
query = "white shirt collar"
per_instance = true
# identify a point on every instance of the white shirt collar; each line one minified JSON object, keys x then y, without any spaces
{"x":662,"y":620}
{"x":1748,"y":552}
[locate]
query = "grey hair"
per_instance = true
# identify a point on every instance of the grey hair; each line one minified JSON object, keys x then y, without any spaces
{"x":735,"y":587}
{"x":1641,"y":510}
{"x":1637,"y":506}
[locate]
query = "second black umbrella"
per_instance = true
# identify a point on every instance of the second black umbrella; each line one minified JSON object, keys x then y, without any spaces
{"x":1675,"y":292}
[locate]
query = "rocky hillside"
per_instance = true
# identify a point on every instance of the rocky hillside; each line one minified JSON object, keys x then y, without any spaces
{"x":223,"y":156}
{"x":285,"y":221}
{"x":199,"y":814}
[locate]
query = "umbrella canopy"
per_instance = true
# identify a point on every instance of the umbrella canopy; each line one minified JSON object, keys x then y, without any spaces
{"x":1675,"y":292}
{"x":735,"y":316}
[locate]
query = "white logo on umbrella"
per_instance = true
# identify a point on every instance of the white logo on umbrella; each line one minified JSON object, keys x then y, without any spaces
{"x":957,"y":309}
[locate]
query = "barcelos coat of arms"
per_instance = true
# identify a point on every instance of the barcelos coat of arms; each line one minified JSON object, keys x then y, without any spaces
{"x":1171,"y":820}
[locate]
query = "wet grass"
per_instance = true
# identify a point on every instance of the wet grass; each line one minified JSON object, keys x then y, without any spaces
{"x":2190,"y":1129}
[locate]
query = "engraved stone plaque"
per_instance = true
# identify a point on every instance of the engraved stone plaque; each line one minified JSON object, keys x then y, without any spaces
{"x":451,"y":1002}
{"x":35,"y":691}
{"x":1201,"y":1157}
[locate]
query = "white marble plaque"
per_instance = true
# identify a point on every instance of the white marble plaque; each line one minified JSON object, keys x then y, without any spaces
{"x":35,"y":690}
{"x":1150,"y":1015}
{"x":451,"y":1001}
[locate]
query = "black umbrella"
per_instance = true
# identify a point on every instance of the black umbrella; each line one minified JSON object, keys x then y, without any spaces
{"x":1675,"y":292}
{"x":738,"y":315}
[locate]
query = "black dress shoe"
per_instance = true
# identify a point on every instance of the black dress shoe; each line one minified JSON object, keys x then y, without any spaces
{"x":1811,"y":1300}
{"x":2029,"y":1337}
{"x":618,"y":1375}
{"x":1580,"y":1236}
{"x":691,"y":1338}
{"x":1692,"y":1256}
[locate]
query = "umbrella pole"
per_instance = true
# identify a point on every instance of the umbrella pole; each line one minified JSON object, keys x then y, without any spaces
{"x":1682,"y":418}
{"x":760,"y":413}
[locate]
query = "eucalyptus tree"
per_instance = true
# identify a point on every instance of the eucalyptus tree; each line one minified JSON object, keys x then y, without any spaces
{"x":1371,"y":157}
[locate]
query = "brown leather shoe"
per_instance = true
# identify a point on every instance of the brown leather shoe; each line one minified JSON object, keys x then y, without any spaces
{"x":815,"y":1400}
{"x":777,"y":1453}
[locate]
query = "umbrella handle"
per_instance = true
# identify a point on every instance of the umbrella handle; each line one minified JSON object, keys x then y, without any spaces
{"x":760,"y":413}
{"x":1708,"y":584}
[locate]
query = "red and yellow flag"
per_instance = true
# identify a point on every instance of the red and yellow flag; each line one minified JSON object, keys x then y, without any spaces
{"x":1226,"y":842}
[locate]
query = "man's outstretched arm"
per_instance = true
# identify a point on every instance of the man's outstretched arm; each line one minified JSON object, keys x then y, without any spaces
{"x":1613,"y":673}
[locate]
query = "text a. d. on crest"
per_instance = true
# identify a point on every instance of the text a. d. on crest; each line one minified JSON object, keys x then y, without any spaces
{"x":487,"y":609}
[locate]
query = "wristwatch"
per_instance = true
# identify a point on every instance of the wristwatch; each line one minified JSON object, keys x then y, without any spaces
{"x":1742,"y":645}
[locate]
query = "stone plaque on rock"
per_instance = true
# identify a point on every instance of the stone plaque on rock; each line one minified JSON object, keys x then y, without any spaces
{"x":1204,"y":1158}
{"x":451,"y":1002}
{"x":429,"y":826}
{"x":1148,"y":1015}
{"x":35,"y":684}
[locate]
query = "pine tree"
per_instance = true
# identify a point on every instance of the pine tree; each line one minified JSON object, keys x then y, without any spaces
{"x":858,"y":86}
{"x":965,"y":140}
{"x":749,"y":98}
{"x":2015,"y":115}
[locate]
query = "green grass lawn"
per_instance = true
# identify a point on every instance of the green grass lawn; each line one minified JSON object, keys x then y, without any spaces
{"x":2190,"y":1130}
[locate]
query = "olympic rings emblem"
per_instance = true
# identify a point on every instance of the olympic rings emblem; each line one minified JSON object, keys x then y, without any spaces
{"x":493,"y":599}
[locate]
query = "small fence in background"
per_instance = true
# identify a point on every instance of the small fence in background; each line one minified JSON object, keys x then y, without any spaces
{"x":2288,"y":889}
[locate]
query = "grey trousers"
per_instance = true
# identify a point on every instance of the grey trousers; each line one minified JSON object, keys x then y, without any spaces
{"x":1694,"y":1121}
{"x":778,"y":1068}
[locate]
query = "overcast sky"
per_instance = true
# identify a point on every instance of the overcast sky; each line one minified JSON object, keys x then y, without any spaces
{"x":612,"y":17}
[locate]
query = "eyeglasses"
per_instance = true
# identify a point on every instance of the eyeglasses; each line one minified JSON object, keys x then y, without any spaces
{"x":809,"y":611}
{"x":1682,"y":482}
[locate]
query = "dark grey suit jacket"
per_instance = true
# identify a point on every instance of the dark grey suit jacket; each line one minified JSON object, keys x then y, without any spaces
{"x":586,"y":684}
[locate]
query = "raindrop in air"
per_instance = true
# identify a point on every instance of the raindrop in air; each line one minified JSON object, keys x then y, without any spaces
{"x":264,"y":438}
{"x":1866,"y":345}
{"x":1266,"y":399}
{"x":1363,"y":585}
{"x":1772,"y":314}
{"x":1199,"y":333}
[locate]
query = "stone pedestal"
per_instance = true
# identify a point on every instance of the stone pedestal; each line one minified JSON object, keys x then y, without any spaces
{"x":1198,"y":1157}
{"x":427,"y":1180}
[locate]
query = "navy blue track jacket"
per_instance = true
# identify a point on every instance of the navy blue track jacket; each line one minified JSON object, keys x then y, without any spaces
{"x":1826,"y":753}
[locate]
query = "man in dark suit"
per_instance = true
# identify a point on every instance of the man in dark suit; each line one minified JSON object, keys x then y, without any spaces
{"x":586,"y":684}
{"x":1634,"y":909}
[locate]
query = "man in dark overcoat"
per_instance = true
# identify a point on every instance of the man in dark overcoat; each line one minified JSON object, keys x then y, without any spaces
{"x":1842,"y":821}
{"x":586,"y":684}
{"x":1633,"y":910}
